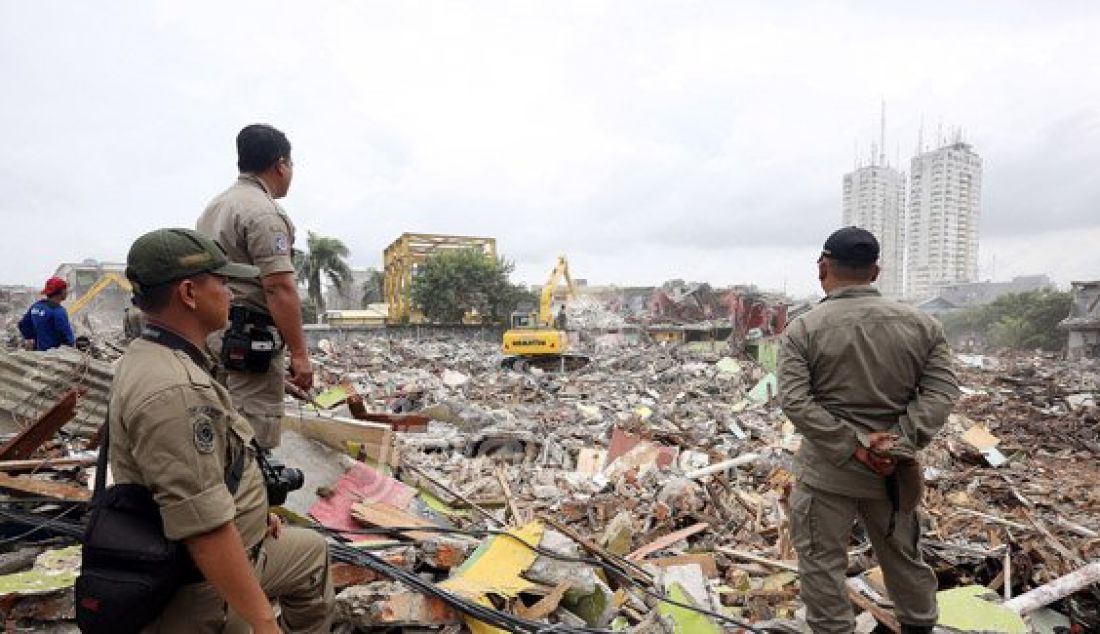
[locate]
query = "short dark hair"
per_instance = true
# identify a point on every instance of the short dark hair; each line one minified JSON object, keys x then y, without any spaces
{"x":259,"y":146}
{"x":153,"y":299}
{"x":856,"y":270}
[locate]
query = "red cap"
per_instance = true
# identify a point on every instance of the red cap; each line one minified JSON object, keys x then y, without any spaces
{"x":54,"y":285}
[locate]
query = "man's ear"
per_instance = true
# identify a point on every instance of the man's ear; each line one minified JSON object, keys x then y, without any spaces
{"x":822,"y":269}
{"x":875,"y":270}
{"x":186,"y":293}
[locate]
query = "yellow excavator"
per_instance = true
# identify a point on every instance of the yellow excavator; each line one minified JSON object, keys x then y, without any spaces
{"x":105,"y":280}
{"x":538,"y":339}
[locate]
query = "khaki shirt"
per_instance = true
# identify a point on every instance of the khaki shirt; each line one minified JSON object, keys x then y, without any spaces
{"x":253,"y":229}
{"x":174,"y":431}
{"x":858,"y":363}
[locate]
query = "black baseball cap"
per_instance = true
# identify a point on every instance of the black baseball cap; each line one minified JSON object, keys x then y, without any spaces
{"x":166,"y":255}
{"x":851,"y":244}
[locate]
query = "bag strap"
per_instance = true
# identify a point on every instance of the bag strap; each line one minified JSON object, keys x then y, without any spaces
{"x":233,"y":473}
{"x":101,"y":460}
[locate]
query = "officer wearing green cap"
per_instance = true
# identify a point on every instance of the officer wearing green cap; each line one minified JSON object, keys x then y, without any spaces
{"x":867,"y":382}
{"x":174,"y":430}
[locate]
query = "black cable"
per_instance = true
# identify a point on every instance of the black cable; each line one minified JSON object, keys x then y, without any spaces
{"x":349,"y":554}
{"x":613,"y":568}
{"x":42,"y":524}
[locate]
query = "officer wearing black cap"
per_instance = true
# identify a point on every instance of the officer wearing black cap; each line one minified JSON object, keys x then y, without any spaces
{"x":174,"y":430}
{"x":867,"y":382}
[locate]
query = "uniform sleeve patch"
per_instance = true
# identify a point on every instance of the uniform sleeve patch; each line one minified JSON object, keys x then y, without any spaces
{"x":281,"y":244}
{"x":202,"y":423}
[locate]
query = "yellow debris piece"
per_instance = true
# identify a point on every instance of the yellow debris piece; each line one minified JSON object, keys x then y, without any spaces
{"x":495,"y":568}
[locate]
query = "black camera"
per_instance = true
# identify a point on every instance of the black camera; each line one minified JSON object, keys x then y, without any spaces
{"x":279,"y":479}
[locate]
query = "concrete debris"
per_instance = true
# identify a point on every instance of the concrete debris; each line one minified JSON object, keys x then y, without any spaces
{"x":652,"y":479}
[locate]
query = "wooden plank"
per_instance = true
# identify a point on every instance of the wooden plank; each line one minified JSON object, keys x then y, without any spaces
{"x":376,"y":438}
{"x":389,"y":516}
{"x":57,"y":490}
{"x":545,"y":605}
{"x":24,"y":444}
{"x":757,"y":559}
{"x":881,"y":614}
{"x":17,"y":466}
{"x":706,"y":561}
{"x":517,"y":518}
{"x":666,"y":541}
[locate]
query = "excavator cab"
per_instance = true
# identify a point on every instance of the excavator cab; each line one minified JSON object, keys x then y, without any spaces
{"x":524,"y":320}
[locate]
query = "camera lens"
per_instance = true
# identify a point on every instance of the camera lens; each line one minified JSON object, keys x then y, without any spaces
{"x":294,"y":478}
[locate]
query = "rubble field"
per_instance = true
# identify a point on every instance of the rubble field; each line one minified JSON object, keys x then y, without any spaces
{"x":645,"y":492}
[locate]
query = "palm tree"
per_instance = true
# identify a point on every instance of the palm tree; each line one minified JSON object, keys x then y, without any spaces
{"x":373,"y":288}
{"x":325,"y":256}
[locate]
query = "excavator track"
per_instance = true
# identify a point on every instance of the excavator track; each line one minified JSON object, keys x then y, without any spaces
{"x":546,"y":363}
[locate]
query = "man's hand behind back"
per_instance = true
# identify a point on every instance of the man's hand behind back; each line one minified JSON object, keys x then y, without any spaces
{"x":874,"y":455}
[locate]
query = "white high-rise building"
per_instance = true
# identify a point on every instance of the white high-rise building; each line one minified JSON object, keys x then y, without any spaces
{"x":874,"y":199}
{"x":945,"y":195}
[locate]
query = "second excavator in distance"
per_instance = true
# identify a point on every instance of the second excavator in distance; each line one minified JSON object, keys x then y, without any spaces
{"x":538,"y":339}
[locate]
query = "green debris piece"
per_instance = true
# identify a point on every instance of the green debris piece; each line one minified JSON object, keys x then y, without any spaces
{"x":53,"y":570}
{"x":594,"y":607}
{"x":728,"y":366}
{"x":766,"y":353}
{"x":439,"y":506}
{"x":685,"y":621}
{"x":766,"y":388}
{"x":964,"y":609}
{"x":620,"y":623}
{"x":331,"y":397}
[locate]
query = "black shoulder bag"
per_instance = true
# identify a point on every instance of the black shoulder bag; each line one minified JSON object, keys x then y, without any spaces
{"x":130,"y":570}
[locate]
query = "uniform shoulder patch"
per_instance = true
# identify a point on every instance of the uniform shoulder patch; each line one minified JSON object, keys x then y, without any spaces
{"x":281,"y":244}
{"x":202,"y":426}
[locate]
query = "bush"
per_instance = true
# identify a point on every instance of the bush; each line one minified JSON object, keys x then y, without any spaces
{"x":1024,"y":321}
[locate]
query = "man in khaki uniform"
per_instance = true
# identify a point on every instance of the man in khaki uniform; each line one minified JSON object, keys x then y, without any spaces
{"x":253,"y":229}
{"x":864,"y":380}
{"x":173,"y":429}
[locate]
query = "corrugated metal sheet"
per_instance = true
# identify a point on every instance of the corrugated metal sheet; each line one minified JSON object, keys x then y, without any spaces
{"x":32,"y":382}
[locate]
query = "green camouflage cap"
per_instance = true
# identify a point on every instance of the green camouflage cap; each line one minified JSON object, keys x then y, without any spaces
{"x":166,"y":255}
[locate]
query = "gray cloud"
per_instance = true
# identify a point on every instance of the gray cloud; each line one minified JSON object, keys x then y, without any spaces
{"x":644,"y":140}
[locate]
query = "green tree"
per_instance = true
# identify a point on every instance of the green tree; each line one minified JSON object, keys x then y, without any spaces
{"x":451,"y":283}
{"x":373,"y":288}
{"x":1024,"y":321}
{"x":326,"y":256}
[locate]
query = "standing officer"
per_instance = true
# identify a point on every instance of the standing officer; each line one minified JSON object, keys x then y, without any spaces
{"x":867,"y":382}
{"x":175,"y":431}
{"x":46,"y":323}
{"x":254,"y":229}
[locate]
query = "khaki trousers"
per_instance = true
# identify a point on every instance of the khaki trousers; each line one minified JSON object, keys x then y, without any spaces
{"x":821,"y":528}
{"x":293,"y":569}
{"x":257,"y":397}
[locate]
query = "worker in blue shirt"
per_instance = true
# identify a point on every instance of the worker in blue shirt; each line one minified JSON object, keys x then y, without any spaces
{"x":46,"y":324}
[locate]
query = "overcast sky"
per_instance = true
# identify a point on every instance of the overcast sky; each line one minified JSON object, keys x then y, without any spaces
{"x":644,"y":140}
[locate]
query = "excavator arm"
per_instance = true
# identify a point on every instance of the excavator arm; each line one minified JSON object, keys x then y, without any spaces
{"x":100,"y":285}
{"x":546,"y":299}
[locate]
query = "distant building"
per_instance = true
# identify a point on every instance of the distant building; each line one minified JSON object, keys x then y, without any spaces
{"x":941,"y":230}
{"x":1083,"y":322}
{"x":961,"y":296}
{"x":874,"y":199}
